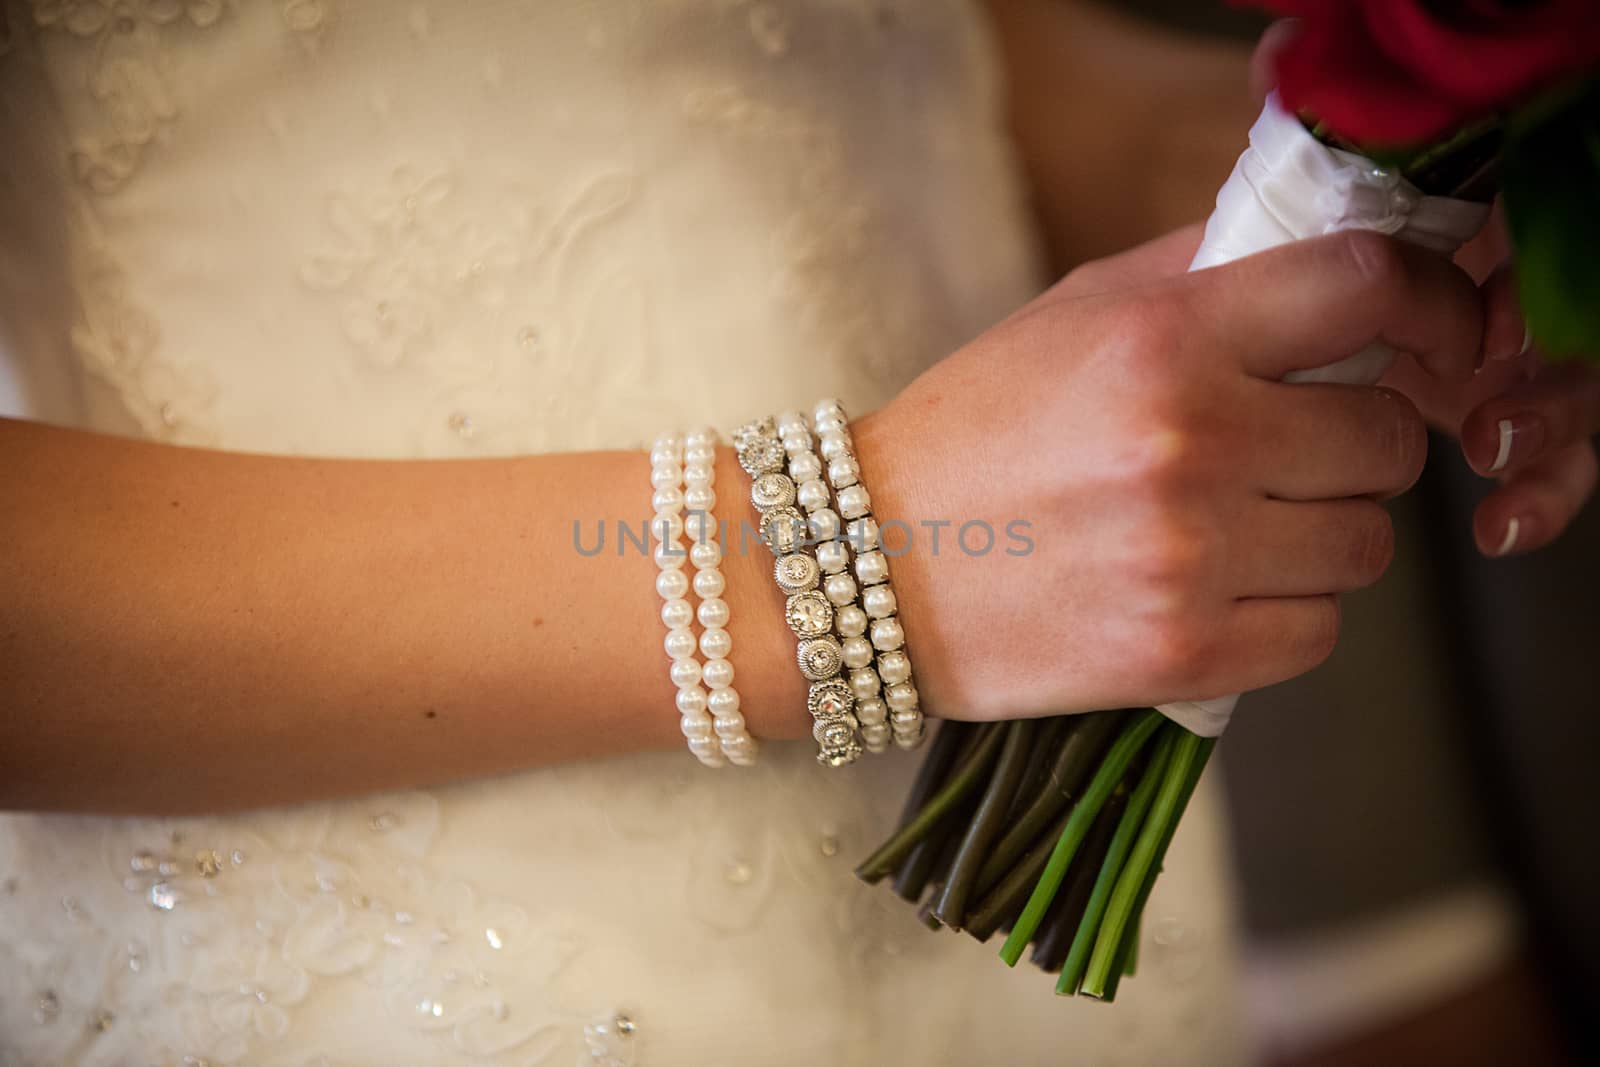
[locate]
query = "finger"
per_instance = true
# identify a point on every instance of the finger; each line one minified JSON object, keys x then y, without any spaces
{"x":1505,"y":334}
{"x":1297,"y":550}
{"x":1324,"y":442}
{"x":1533,"y":420}
{"x":1263,"y":63}
{"x":1535,"y":505}
{"x":1162,"y":257}
{"x":1265,"y":641}
{"x":1310,"y":303}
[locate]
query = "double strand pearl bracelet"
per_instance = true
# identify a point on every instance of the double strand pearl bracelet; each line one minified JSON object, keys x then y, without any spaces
{"x":808,"y":611}
{"x":880,"y":666}
{"x":710,"y":720}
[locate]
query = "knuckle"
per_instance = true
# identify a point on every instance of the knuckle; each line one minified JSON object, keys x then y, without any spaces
{"x":1177,"y":652}
{"x":1375,"y":258}
{"x":1173,"y":555}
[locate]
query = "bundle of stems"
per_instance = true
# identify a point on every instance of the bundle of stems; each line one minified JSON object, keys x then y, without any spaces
{"x":1053,"y":829}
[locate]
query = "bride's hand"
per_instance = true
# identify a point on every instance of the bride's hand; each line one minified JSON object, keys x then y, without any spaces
{"x":1188,"y":518}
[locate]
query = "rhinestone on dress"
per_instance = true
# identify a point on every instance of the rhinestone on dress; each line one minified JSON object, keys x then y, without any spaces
{"x":762,"y":455}
{"x":808,"y":614}
{"x":163,"y":896}
{"x":796,"y":573}
{"x":208,"y":862}
{"x":783,"y":529}
{"x":772,"y":490}
{"x":820,"y":657}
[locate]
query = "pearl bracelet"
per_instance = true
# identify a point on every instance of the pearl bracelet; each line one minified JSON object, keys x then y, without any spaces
{"x":713,"y":740}
{"x":699,"y":473}
{"x":880,"y":667}
{"x":808,"y":611}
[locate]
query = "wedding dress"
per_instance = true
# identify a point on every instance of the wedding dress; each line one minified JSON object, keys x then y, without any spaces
{"x":359,"y":228}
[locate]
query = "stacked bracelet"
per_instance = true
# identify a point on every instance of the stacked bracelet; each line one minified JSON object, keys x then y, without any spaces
{"x":809,"y":611}
{"x":710,"y":716}
{"x":874,"y":642}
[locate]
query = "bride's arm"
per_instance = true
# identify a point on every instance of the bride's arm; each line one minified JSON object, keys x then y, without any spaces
{"x":184,"y":630}
{"x":187,"y":630}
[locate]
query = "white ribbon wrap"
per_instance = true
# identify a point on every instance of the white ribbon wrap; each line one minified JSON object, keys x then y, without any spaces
{"x":1287,"y":186}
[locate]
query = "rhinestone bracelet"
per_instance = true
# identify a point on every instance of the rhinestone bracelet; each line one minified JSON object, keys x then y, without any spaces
{"x":880,"y":666}
{"x":808,"y":611}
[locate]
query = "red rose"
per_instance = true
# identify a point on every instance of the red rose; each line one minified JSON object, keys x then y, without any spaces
{"x":1406,"y":72}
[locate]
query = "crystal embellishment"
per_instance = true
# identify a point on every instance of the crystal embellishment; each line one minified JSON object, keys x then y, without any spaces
{"x":783,"y":529}
{"x":772,"y":490}
{"x":809,"y":614}
{"x":830,"y":701}
{"x":761,"y":455}
{"x":796,"y":573}
{"x":820,"y":658}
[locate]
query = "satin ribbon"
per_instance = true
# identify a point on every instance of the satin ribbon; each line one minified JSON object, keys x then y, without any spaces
{"x":1288,"y":186}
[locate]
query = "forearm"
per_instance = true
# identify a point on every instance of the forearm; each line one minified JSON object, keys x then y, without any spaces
{"x":186,"y":630}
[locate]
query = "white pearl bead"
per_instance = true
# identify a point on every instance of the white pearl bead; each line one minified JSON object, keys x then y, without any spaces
{"x":700,"y":526}
{"x":716,"y":643}
{"x":857,"y":651}
{"x":864,"y":683}
{"x":887,"y":635}
{"x":824,"y":525}
{"x":851,"y":621}
{"x":713,"y":612}
{"x":723,"y":701}
{"x":705,"y":554}
{"x":826,"y":406}
{"x":699,"y":474}
{"x":813,"y":494}
{"x":701,"y":454}
{"x":700,"y":437}
{"x":666,"y":526}
{"x":665,"y":476}
{"x":685,"y":672}
{"x":705,"y":747}
{"x":875,"y":737}
{"x":854,"y":502}
{"x":871,"y":712}
{"x":691,"y":700}
{"x":709,"y":583}
{"x":699,"y":498}
{"x":894,"y":667}
{"x":789,"y":420}
{"x":666,"y":452}
{"x":669,"y":555}
{"x":729,"y":725}
{"x":718,"y":673}
{"x":677,"y":612}
{"x":696,"y":727}
{"x":740,"y":750}
{"x":905,"y":718}
{"x":668,"y":499}
{"x":832,"y":556}
{"x":805,"y":467}
{"x":841,"y":589}
{"x":872,"y":567}
{"x":796,"y":442}
{"x":864,"y":533}
{"x":878,"y":600}
{"x":672,"y":584}
{"x":680,"y":643}
{"x":908,"y":740}
{"x":844,"y":471}
{"x":832,"y":446}
{"x":901,"y":696}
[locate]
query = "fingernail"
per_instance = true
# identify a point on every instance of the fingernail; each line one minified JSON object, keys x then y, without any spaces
{"x":1506,"y":355}
{"x":1520,"y":438}
{"x":1509,"y":541}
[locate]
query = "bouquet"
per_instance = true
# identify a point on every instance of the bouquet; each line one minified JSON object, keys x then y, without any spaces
{"x":1402,"y":116}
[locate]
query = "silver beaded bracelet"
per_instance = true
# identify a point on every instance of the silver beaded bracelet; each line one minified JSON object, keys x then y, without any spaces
{"x":777,"y":468}
{"x":880,"y":666}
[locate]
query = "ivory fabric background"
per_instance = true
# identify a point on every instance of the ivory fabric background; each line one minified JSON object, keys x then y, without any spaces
{"x":357,"y":228}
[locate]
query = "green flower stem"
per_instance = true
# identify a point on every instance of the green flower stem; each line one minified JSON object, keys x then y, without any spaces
{"x":1131,"y":964}
{"x":950,"y":905}
{"x":1053,"y":733}
{"x":1079,"y":754}
{"x":966,"y":778}
{"x":1128,"y":831}
{"x":1143,"y":723}
{"x":1005,"y":901}
{"x":1127,"y":957}
{"x":950,"y":742}
{"x":1189,"y":755}
{"x":1061,"y":922}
